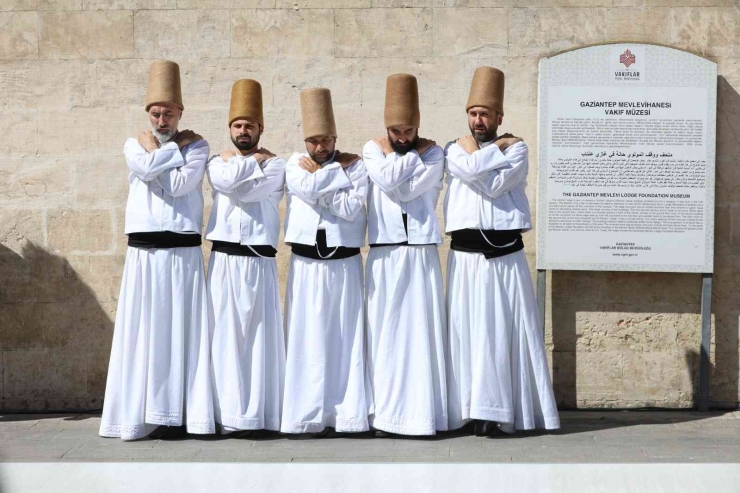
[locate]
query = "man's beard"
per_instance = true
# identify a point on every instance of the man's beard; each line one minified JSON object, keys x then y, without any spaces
{"x":247,"y":144}
{"x":483,"y":136}
{"x":321,"y":159}
{"x":404,"y":148}
{"x":164,"y":136}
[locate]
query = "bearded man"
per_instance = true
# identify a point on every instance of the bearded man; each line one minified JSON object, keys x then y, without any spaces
{"x":325,"y":226}
{"x":497,"y":376}
{"x":248,"y":346}
{"x":406,"y":326}
{"x":159,"y":371}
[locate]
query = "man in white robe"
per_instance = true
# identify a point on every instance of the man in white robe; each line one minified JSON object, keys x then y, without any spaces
{"x":497,"y":366}
{"x":248,"y":347}
{"x":406,"y":325}
{"x":159,"y":371}
{"x":325,"y":384}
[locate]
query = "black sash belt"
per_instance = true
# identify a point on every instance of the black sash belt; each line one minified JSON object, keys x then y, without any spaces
{"x":239,"y":250}
{"x":403,"y":243}
{"x":473,"y":241}
{"x":163,"y":239}
{"x":320,"y":251}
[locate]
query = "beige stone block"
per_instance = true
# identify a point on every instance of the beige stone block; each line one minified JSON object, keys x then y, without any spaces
{"x":18,"y":129}
{"x":342,"y":76}
{"x":100,"y":182}
{"x":356,"y":126}
{"x":323,"y":4}
{"x":211,"y":125}
{"x":20,"y":328}
{"x":226,"y":4}
{"x":89,"y":35}
{"x":689,"y":3}
{"x":10,"y":5}
{"x":207,"y":83}
{"x":85,"y":131}
{"x":20,"y":227}
{"x":724,"y":386}
{"x":102,"y":83}
{"x":35,"y":182}
{"x":73,"y":230}
{"x":658,"y":377}
{"x":60,"y":5}
{"x":100,"y":275}
{"x":130,"y":4}
{"x":383,"y":32}
{"x":471,"y":32}
{"x":18,"y":35}
{"x":708,"y":32}
{"x":522,"y":122}
{"x":443,"y":81}
{"x":539,"y":32}
{"x":181,"y":34}
{"x":18,"y":80}
{"x":723,"y":229}
{"x":651,"y":25}
{"x":282,"y":33}
{"x":735,"y":236}
{"x":442,"y":123}
{"x":284,"y":136}
{"x":45,"y":373}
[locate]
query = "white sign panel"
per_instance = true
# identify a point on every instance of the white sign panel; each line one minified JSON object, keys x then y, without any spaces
{"x":626,"y":160}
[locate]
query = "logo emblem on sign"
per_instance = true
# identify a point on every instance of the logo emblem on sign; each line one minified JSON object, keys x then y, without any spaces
{"x":627,"y":58}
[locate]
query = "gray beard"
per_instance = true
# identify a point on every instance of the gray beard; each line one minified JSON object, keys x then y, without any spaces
{"x":164,"y":137}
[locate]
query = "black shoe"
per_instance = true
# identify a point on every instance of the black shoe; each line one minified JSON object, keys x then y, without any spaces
{"x":383,"y":434}
{"x":323,"y":433}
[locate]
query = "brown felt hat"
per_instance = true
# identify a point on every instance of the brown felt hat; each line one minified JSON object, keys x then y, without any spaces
{"x":246,"y":102}
{"x":487,"y":89}
{"x":164,"y":84}
{"x":317,"y":113}
{"x":402,"y":101}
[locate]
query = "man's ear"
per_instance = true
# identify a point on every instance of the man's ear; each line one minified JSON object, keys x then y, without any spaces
{"x":500,"y":118}
{"x":262,"y":129}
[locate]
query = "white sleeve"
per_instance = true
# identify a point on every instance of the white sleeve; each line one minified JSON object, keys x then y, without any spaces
{"x":499,"y":181}
{"x":389,"y":172}
{"x":310,"y":186}
{"x":225,"y":176}
{"x":271,"y":181}
{"x":348,"y":202}
{"x":468,"y":167}
{"x":428,"y":176}
{"x":183,"y":180}
{"x":148,"y":165}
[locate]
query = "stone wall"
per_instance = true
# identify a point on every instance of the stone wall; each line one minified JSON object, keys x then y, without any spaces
{"x":72,"y":82}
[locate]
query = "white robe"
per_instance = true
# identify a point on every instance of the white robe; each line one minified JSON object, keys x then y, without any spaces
{"x":325,"y":373}
{"x":497,"y":362}
{"x":406,"y":331}
{"x":248,"y":346}
{"x":159,"y":371}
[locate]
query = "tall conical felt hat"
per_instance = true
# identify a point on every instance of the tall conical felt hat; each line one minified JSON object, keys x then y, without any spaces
{"x":487,"y":89}
{"x":164,"y":84}
{"x":246,"y":101}
{"x":402,"y":101}
{"x":317,"y":113}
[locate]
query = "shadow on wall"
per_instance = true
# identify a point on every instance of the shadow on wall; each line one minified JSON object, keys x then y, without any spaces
{"x":629,"y":339}
{"x":54,"y":335}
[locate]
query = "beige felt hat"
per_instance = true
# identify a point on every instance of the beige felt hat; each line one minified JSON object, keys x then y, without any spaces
{"x":246,"y":101}
{"x":487,"y":89}
{"x":402,"y":101}
{"x":164,"y":84}
{"x":317,"y":113}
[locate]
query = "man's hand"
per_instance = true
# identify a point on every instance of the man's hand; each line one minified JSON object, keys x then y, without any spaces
{"x":226,"y":155}
{"x":468,"y":143}
{"x":148,"y":141}
{"x":186,"y":137}
{"x":385,"y":145}
{"x":507,"y":140}
{"x":424,"y":145}
{"x":346,"y":159}
{"x":309,"y":164}
{"x":262,"y":155}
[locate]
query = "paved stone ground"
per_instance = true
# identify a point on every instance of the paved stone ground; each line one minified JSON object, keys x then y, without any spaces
{"x":588,"y":437}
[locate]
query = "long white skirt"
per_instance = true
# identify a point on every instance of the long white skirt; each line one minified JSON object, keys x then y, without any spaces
{"x":325,"y":373}
{"x":248,"y":347}
{"x":159,"y":371}
{"x":497,"y":363}
{"x":406,"y":337}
